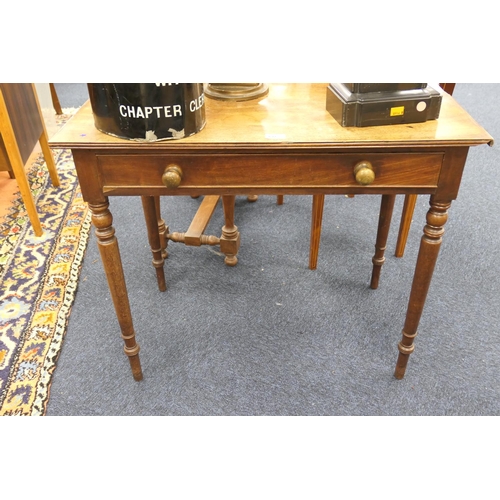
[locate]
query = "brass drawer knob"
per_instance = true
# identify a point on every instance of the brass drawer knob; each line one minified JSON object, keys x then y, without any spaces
{"x":172,"y":176}
{"x":364,"y":173}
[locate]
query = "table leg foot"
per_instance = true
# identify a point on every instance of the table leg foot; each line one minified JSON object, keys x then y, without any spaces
{"x":151,"y":216}
{"x":230,"y":260}
{"x":135,"y":363}
{"x":404,"y":354}
{"x":384,"y":224}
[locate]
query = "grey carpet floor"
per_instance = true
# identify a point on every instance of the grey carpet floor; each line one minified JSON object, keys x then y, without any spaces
{"x":271,"y":337}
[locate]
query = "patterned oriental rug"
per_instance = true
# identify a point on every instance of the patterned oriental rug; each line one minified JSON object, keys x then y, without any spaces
{"x":38,"y":280}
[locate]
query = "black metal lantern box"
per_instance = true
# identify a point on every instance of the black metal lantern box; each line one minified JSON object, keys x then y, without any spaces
{"x":368,"y":104}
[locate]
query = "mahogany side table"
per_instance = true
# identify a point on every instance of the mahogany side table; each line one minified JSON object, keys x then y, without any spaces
{"x":284,"y":144}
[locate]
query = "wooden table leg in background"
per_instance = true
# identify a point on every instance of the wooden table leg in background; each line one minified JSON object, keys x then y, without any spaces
{"x":405,"y":224}
{"x":316,"y":220}
{"x":427,"y":256}
{"x":111,"y":260}
{"x":55,"y":99}
{"x":230,"y":238}
{"x":384,"y":224}
{"x":151,"y":216}
{"x":162,"y":228}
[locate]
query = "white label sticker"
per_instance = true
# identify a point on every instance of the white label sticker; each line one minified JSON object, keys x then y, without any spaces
{"x":421,"y":106}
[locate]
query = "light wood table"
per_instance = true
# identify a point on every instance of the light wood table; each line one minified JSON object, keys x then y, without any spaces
{"x":284,"y":144}
{"x":21,"y":127}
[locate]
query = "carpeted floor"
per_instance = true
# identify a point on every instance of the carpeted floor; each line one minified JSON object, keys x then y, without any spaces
{"x":270,"y":337}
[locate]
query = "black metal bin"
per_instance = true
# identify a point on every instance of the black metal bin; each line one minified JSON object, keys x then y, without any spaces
{"x":148,"y":112}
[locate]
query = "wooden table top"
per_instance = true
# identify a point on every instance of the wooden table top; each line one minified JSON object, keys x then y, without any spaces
{"x":291,"y":114}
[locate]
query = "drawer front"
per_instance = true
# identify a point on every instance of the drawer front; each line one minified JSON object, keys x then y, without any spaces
{"x":414,"y":170}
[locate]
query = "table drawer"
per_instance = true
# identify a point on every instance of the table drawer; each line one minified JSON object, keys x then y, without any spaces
{"x":418,"y":170}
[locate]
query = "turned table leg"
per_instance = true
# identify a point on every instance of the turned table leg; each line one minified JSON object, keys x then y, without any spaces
{"x":230,"y":238}
{"x":427,"y":256}
{"x":384,"y":224}
{"x":110,"y":255}
{"x":151,"y":216}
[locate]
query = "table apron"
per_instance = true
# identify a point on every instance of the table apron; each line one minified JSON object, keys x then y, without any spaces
{"x":269,"y":174}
